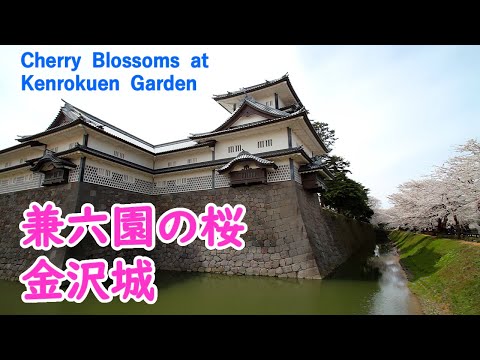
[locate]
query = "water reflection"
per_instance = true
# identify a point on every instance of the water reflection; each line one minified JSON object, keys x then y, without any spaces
{"x":366,"y":284}
{"x":393,"y":296}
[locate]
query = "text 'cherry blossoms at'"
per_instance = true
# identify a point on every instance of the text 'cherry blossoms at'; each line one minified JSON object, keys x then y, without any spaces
{"x":132,"y":226}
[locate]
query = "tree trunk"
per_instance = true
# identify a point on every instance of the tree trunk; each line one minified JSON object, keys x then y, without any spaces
{"x":444,"y":224}
{"x":457,"y":227}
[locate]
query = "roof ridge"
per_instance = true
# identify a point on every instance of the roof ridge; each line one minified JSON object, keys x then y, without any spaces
{"x":113,"y":127}
{"x":256,"y":105}
{"x":173,"y":142}
{"x":252,"y":87}
{"x":256,"y":123}
{"x":264,"y":107}
{"x":245,"y":155}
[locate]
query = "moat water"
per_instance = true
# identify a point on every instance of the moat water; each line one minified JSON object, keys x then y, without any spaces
{"x":371,"y":282}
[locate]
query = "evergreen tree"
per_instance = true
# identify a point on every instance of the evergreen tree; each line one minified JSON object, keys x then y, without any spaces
{"x":345,"y":195}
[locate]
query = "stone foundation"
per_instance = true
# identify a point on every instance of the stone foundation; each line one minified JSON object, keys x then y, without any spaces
{"x":289,"y":234}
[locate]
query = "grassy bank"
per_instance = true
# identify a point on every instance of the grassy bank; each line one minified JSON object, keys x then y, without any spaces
{"x":443,"y":273}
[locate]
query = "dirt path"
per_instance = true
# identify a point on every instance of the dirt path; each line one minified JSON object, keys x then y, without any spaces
{"x":471,"y":243}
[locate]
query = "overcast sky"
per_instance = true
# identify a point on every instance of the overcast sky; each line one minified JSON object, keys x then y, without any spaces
{"x":397,"y":110}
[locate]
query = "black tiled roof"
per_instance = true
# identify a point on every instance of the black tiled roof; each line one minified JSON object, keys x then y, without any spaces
{"x":199,"y":165}
{"x":15,"y":147}
{"x":14,"y":167}
{"x":224,"y":161}
{"x":245,"y":155}
{"x":310,"y":167}
{"x":49,"y":156}
{"x":250,"y":125}
{"x":314,"y":166}
{"x":249,"y":101}
{"x":263,"y":85}
{"x":265,"y":108}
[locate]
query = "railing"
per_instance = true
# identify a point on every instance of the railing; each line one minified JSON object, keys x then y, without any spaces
{"x":56,"y":176}
{"x":248,"y":176}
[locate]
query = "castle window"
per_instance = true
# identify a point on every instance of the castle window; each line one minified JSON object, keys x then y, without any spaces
{"x":172,"y":163}
{"x":162,"y":183}
{"x":104,"y":172}
{"x":128,"y":178}
{"x":72,"y":145}
{"x":269,"y":103}
{"x":55,"y":149}
{"x":119,"y":154}
{"x":235,"y":148}
{"x":192,"y":161}
{"x":19,"y":179}
{"x":4,"y":182}
{"x":22,"y":160}
{"x":8,"y":163}
{"x":182,"y":181}
{"x":264,"y":143}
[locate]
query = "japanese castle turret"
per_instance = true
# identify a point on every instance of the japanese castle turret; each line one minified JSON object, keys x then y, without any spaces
{"x":263,"y":155}
{"x":266,"y":137}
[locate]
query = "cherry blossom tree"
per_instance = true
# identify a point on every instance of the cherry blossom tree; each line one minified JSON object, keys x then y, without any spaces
{"x":461,"y":174}
{"x":448,"y":196}
{"x":380,"y":215}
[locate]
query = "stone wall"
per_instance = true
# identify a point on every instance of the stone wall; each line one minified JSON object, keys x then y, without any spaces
{"x":333,"y":237}
{"x":289,"y":234}
{"x":274,"y":245}
{"x":13,"y":259}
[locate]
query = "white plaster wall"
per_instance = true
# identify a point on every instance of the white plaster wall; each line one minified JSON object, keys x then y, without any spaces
{"x":119,"y":169}
{"x":249,"y":142}
{"x":15,"y":156}
{"x":183,"y":181}
{"x":263,"y":100}
{"x":135,"y":180}
{"x":249,"y":119}
{"x":202,"y":154}
{"x":297,"y":176}
{"x":17,"y":180}
{"x":109,"y":146}
{"x":282,"y":173}
{"x":74,"y":174}
{"x":296,"y":141}
{"x":63,"y":140}
{"x":182,"y":174}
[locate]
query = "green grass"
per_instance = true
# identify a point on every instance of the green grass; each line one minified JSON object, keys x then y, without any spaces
{"x":443,"y":273}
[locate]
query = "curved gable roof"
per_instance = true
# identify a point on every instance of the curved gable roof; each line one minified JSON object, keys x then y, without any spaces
{"x":250,"y":104}
{"x":282,"y":84}
{"x":246,"y":156}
